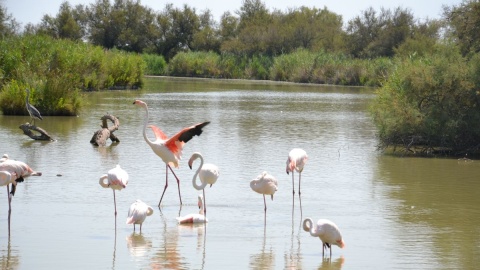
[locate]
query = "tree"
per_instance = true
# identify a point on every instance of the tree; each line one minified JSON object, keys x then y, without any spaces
{"x":463,"y":21}
{"x":8,"y":25}
{"x":69,"y":23}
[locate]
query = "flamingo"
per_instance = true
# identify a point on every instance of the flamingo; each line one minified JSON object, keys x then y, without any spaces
{"x":169,"y":149}
{"x":194,"y":218}
{"x":297,"y":158}
{"x":13,"y":172}
{"x":117,"y":179}
{"x":327,"y":231}
{"x":264,"y":184}
{"x":138,"y":212}
{"x":20,"y":170}
{"x":208,"y":174}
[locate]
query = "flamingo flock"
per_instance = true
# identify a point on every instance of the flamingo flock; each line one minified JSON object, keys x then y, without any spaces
{"x":170,"y":151}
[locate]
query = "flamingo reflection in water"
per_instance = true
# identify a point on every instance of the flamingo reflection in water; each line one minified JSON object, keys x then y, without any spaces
{"x":168,"y":256}
{"x":266,"y":258}
{"x":138,"y":245}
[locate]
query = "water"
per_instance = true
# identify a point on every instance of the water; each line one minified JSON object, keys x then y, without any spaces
{"x":395,"y":213}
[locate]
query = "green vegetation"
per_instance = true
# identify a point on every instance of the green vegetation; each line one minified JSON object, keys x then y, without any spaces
{"x":57,"y":71}
{"x":426,"y":71}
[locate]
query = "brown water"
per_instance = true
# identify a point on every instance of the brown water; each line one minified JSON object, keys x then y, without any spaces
{"x":394,"y":213}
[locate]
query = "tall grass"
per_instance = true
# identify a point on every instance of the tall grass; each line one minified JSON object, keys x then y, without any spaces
{"x":57,"y":71}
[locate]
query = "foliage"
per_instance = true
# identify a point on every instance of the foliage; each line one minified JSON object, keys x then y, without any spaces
{"x":194,"y":64}
{"x":430,"y":103}
{"x":463,"y":21}
{"x":57,"y":71}
{"x":154,"y":64}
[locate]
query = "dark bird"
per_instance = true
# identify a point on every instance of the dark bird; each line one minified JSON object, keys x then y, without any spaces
{"x":34,"y":113}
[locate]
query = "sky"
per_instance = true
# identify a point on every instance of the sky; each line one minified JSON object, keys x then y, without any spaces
{"x":32,"y":11}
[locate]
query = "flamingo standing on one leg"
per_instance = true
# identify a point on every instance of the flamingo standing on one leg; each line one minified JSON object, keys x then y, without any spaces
{"x":194,"y":218}
{"x":7,"y":178}
{"x":208,"y":174}
{"x":13,"y":172}
{"x":327,"y":231}
{"x":169,"y":149}
{"x":117,"y":179}
{"x":297,"y":158}
{"x":138,"y":212}
{"x":264,"y":184}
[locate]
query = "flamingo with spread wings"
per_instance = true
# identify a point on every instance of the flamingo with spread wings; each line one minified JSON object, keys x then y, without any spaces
{"x":169,"y":149}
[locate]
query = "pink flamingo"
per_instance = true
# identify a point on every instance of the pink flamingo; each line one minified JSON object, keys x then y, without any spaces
{"x":138,"y":212}
{"x":264,"y":184}
{"x":13,"y":172}
{"x":194,"y":218}
{"x":208,"y":174}
{"x":169,"y":149}
{"x":327,"y":231}
{"x":297,"y":158}
{"x":117,"y":179}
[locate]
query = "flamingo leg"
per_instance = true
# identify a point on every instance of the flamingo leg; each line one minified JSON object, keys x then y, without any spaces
{"x":9,"y":205}
{"x":166,"y":184}
{"x":293,"y":183}
{"x":204,"y":204}
{"x":299,"y":180}
{"x":114,"y":202}
{"x":178,"y":183}
{"x":265,"y":203}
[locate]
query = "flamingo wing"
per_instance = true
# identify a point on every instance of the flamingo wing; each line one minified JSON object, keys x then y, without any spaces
{"x":159,"y":135}
{"x":175,"y":143}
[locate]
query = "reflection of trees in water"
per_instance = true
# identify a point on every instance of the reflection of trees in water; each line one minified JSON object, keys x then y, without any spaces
{"x":266,"y":258}
{"x":7,"y":260}
{"x":138,"y":245}
{"x":329,"y":264}
{"x":167,"y":256}
{"x":433,"y":202}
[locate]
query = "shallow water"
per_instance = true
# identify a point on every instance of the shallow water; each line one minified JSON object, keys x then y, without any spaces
{"x":394,"y":213}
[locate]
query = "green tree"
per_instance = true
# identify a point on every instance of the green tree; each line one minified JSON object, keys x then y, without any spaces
{"x":8,"y":25}
{"x":463,"y":21}
{"x":69,"y":23}
{"x":208,"y":37}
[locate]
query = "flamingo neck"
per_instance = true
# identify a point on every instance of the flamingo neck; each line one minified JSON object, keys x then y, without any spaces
{"x":102,"y":181}
{"x":145,"y":126}
{"x":194,"y":180}
{"x":308,"y":226}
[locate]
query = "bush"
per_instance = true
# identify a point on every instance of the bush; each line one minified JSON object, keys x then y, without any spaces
{"x":430,"y":104}
{"x":58,"y":70}
{"x":155,"y":64}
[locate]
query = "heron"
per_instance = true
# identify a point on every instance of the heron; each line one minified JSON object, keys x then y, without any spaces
{"x":34,"y":113}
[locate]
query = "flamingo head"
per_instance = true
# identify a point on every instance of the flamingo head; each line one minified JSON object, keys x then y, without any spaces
{"x":140,"y":103}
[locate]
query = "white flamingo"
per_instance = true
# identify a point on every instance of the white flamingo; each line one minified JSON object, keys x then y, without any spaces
{"x":169,"y":149}
{"x":117,"y":179}
{"x":194,"y":218}
{"x":264,"y":184}
{"x":327,"y":231}
{"x":208,"y":174}
{"x":13,"y":172}
{"x":297,"y":158}
{"x":138,"y":212}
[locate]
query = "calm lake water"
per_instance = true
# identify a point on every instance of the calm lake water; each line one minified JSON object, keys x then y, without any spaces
{"x":394,"y":212}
